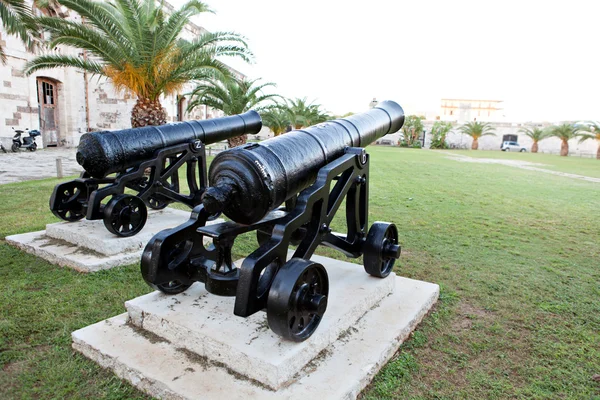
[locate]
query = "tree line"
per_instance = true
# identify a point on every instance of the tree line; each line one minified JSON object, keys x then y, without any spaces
{"x":565,"y":132}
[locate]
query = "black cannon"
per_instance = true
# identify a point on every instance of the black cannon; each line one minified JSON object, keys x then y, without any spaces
{"x":147,"y":162}
{"x":288,"y":190}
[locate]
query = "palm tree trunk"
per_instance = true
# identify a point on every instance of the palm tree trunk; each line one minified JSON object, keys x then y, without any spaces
{"x":564,"y":148}
{"x":475,"y":144}
{"x":237,"y":141}
{"x":147,"y":112}
{"x":534,"y":148}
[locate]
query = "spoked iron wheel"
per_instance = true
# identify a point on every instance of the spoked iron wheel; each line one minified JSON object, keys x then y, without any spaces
{"x":66,"y":205}
{"x":297,"y":299}
{"x":381,"y":249}
{"x":125,"y":215}
{"x":156,"y":203}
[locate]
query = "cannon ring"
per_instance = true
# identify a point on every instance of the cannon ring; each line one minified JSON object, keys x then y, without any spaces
{"x":297,"y":299}
{"x":381,"y":249}
{"x":67,"y":196}
{"x":125,"y":215}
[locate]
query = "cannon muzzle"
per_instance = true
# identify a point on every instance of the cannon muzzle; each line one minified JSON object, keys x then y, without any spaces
{"x":103,"y":153}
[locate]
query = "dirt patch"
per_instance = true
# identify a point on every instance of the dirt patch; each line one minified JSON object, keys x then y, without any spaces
{"x":205,"y":363}
{"x":466,"y":314}
{"x":520,"y":164}
{"x":151,"y":337}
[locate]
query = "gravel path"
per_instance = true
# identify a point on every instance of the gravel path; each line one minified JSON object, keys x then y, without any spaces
{"x":520,"y":164}
{"x":25,"y":165}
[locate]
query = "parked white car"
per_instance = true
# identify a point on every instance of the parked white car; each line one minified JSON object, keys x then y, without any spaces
{"x":512,"y":146}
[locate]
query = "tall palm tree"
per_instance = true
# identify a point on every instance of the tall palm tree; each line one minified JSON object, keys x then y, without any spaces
{"x":564,"y":132}
{"x":476,"y":130}
{"x":16,"y":18}
{"x":536,"y":134}
{"x":276,"y":119}
{"x":594,"y":133}
{"x":137,"y":45}
{"x":232,"y":96}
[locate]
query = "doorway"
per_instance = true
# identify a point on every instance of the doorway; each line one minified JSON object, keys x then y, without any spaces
{"x":47,"y":90}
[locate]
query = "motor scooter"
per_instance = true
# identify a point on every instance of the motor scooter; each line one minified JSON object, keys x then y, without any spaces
{"x":28,"y":142}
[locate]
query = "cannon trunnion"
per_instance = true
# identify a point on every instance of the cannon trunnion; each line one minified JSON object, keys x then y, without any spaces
{"x":146,"y":162}
{"x":286,"y":199}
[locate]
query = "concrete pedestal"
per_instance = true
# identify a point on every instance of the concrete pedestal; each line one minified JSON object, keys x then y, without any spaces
{"x":88,"y":246}
{"x":191,"y":346}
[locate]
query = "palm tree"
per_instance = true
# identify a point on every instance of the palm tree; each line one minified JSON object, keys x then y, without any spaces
{"x":564,"y":132}
{"x":276,"y":119}
{"x":314,"y":115}
{"x":232,"y":96}
{"x":137,"y":45}
{"x":594,"y":133}
{"x":411,"y":130}
{"x":476,"y":130}
{"x":301,"y":113}
{"x":17,"y":19}
{"x":536,"y":134}
{"x":439,"y":130}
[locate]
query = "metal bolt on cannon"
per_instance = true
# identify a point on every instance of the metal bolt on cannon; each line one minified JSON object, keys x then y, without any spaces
{"x":287,"y":189}
{"x":120,"y":160}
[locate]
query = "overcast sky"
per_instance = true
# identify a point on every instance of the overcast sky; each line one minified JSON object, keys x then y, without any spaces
{"x":540,"y":57}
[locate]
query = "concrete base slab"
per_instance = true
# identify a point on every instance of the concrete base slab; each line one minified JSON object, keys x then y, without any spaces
{"x":69,"y":255}
{"x":167,"y":368}
{"x":87,"y":246}
{"x":198,"y":321}
{"x":94,"y":236}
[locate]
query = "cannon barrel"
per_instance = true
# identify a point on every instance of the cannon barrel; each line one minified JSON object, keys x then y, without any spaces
{"x":248,"y":182}
{"x":103,"y":153}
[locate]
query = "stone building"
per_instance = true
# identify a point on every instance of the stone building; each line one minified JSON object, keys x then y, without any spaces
{"x":65,"y":103}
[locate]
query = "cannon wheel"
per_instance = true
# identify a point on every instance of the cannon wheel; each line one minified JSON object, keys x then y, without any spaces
{"x":173,"y":287}
{"x":125,"y":215}
{"x":156,"y":203}
{"x":381,"y":249}
{"x":297,"y":299}
{"x":70,"y":192}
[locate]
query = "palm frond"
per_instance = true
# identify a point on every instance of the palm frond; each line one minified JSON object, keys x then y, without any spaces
{"x":58,"y":61}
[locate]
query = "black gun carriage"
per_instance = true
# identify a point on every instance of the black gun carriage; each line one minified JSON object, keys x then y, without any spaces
{"x":287,"y":189}
{"x":145,"y":162}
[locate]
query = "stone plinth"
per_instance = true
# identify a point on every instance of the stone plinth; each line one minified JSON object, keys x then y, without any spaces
{"x":88,"y":246}
{"x":191,"y":346}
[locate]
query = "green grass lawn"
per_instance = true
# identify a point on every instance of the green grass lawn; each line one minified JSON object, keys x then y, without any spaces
{"x":571,"y":164}
{"x":515,"y":252}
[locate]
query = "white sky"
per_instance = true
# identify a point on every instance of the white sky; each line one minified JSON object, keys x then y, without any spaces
{"x":540,"y":57}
